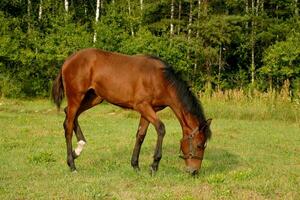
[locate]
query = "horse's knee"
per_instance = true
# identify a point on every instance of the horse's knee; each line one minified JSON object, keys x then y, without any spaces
{"x":161,"y":129}
{"x":140,"y":138}
{"x":157,"y":157}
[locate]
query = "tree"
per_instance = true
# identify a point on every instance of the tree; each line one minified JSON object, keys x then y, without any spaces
{"x":282,"y":60}
{"x":66,"y":5}
{"x":218,"y":44}
{"x":172,"y":18}
{"x":96,"y":19}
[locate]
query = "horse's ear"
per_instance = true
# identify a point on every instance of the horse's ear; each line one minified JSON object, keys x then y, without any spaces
{"x":208,"y":122}
{"x":206,"y":125}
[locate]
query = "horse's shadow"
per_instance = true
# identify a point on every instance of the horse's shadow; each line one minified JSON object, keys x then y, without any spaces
{"x":218,"y":160}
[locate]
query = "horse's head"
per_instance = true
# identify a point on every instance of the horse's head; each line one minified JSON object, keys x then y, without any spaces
{"x":193,"y":146}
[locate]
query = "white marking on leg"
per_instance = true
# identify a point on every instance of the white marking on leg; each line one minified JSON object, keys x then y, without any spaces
{"x":79,"y":147}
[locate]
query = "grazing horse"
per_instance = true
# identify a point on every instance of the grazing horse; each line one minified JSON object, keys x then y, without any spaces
{"x":143,"y":83}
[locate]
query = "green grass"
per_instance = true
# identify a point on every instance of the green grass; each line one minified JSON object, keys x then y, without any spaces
{"x":254,"y":154}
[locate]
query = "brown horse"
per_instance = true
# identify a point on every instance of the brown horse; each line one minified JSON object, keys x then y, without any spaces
{"x":143,"y":83}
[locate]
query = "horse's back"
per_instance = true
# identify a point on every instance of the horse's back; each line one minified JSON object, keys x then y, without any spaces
{"x":100,"y":61}
{"x":120,"y":79}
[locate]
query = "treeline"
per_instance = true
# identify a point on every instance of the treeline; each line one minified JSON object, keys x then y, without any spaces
{"x":216,"y":44}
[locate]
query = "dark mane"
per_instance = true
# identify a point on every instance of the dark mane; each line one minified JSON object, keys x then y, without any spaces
{"x":184,"y":93}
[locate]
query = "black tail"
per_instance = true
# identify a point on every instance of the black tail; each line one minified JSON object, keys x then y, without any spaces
{"x":58,"y":90}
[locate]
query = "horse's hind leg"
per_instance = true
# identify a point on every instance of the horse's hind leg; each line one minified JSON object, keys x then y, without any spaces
{"x":79,"y":135}
{"x":77,"y":129}
{"x":140,"y":135}
{"x":73,"y":106}
{"x":90,"y":100}
{"x":81,"y":141}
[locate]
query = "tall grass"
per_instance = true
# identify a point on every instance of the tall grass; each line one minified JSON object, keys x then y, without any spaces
{"x":238,"y":104}
{"x":229,"y":104}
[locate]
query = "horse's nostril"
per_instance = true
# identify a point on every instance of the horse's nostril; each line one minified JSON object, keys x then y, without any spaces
{"x":192,"y":171}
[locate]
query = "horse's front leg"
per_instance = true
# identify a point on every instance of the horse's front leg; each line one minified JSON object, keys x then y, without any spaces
{"x":160,"y":129}
{"x":149,"y":113}
{"x":140,"y":136}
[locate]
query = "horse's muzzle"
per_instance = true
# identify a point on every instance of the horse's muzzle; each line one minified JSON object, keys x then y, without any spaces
{"x":192,"y":171}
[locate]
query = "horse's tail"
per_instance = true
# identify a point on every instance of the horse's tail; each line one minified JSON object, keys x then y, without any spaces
{"x":58,"y":90}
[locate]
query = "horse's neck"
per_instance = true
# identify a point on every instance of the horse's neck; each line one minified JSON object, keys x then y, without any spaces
{"x":187,"y":120}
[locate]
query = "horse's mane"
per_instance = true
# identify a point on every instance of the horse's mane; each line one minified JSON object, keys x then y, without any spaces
{"x":184,"y":94}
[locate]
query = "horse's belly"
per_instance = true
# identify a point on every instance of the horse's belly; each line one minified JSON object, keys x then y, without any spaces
{"x":129,"y":88}
{"x":128,"y":95}
{"x":117,"y":94}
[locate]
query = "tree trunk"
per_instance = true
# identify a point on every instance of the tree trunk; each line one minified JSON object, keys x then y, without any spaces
{"x":172,"y":18}
{"x":296,"y":8}
{"x":129,"y":14}
{"x":142,"y":5}
{"x":247,"y":12}
{"x":190,"y":20}
{"x":252,"y":59}
{"x":220,"y":67}
{"x":29,"y":14}
{"x":97,"y":11}
{"x":208,"y":83}
{"x":190,"y":32}
{"x":270,"y":83}
{"x":179,"y":16}
{"x":197,"y":36}
{"x":101,"y":6}
{"x":257,"y":7}
{"x":189,"y":27}
{"x":40,"y":10}
{"x":205,"y":4}
{"x":198,"y":17}
{"x":255,"y":12}
{"x":66,"y":5}
{"x":253,"y":44}
{"x":96,"y":19}
{"x":247,"y":6}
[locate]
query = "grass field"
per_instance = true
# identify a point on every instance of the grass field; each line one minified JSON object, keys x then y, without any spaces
{"x":254,"y":154}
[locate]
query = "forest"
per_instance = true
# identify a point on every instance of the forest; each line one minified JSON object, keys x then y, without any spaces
{"x":240,"y":57}
{"x":217,"y":45}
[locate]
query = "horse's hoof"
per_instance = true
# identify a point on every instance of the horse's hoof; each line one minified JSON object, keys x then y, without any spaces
{"x":74,"y":171}
{"x":72,"y":168}
{"x":136,"y":169}
{"x":152,"y":171}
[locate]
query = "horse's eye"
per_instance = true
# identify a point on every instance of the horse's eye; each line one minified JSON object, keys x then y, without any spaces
{"x":200,"y":146}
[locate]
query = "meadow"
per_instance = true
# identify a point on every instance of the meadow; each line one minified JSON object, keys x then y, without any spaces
{"x":254,"y":153}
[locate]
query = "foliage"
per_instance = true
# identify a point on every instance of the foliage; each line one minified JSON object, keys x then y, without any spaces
{"x":211,"y":44}
{"x":282,"y":58}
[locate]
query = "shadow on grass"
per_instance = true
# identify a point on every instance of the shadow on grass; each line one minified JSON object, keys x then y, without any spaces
{"x":216,"y":161}
{"x":219,"y":161}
